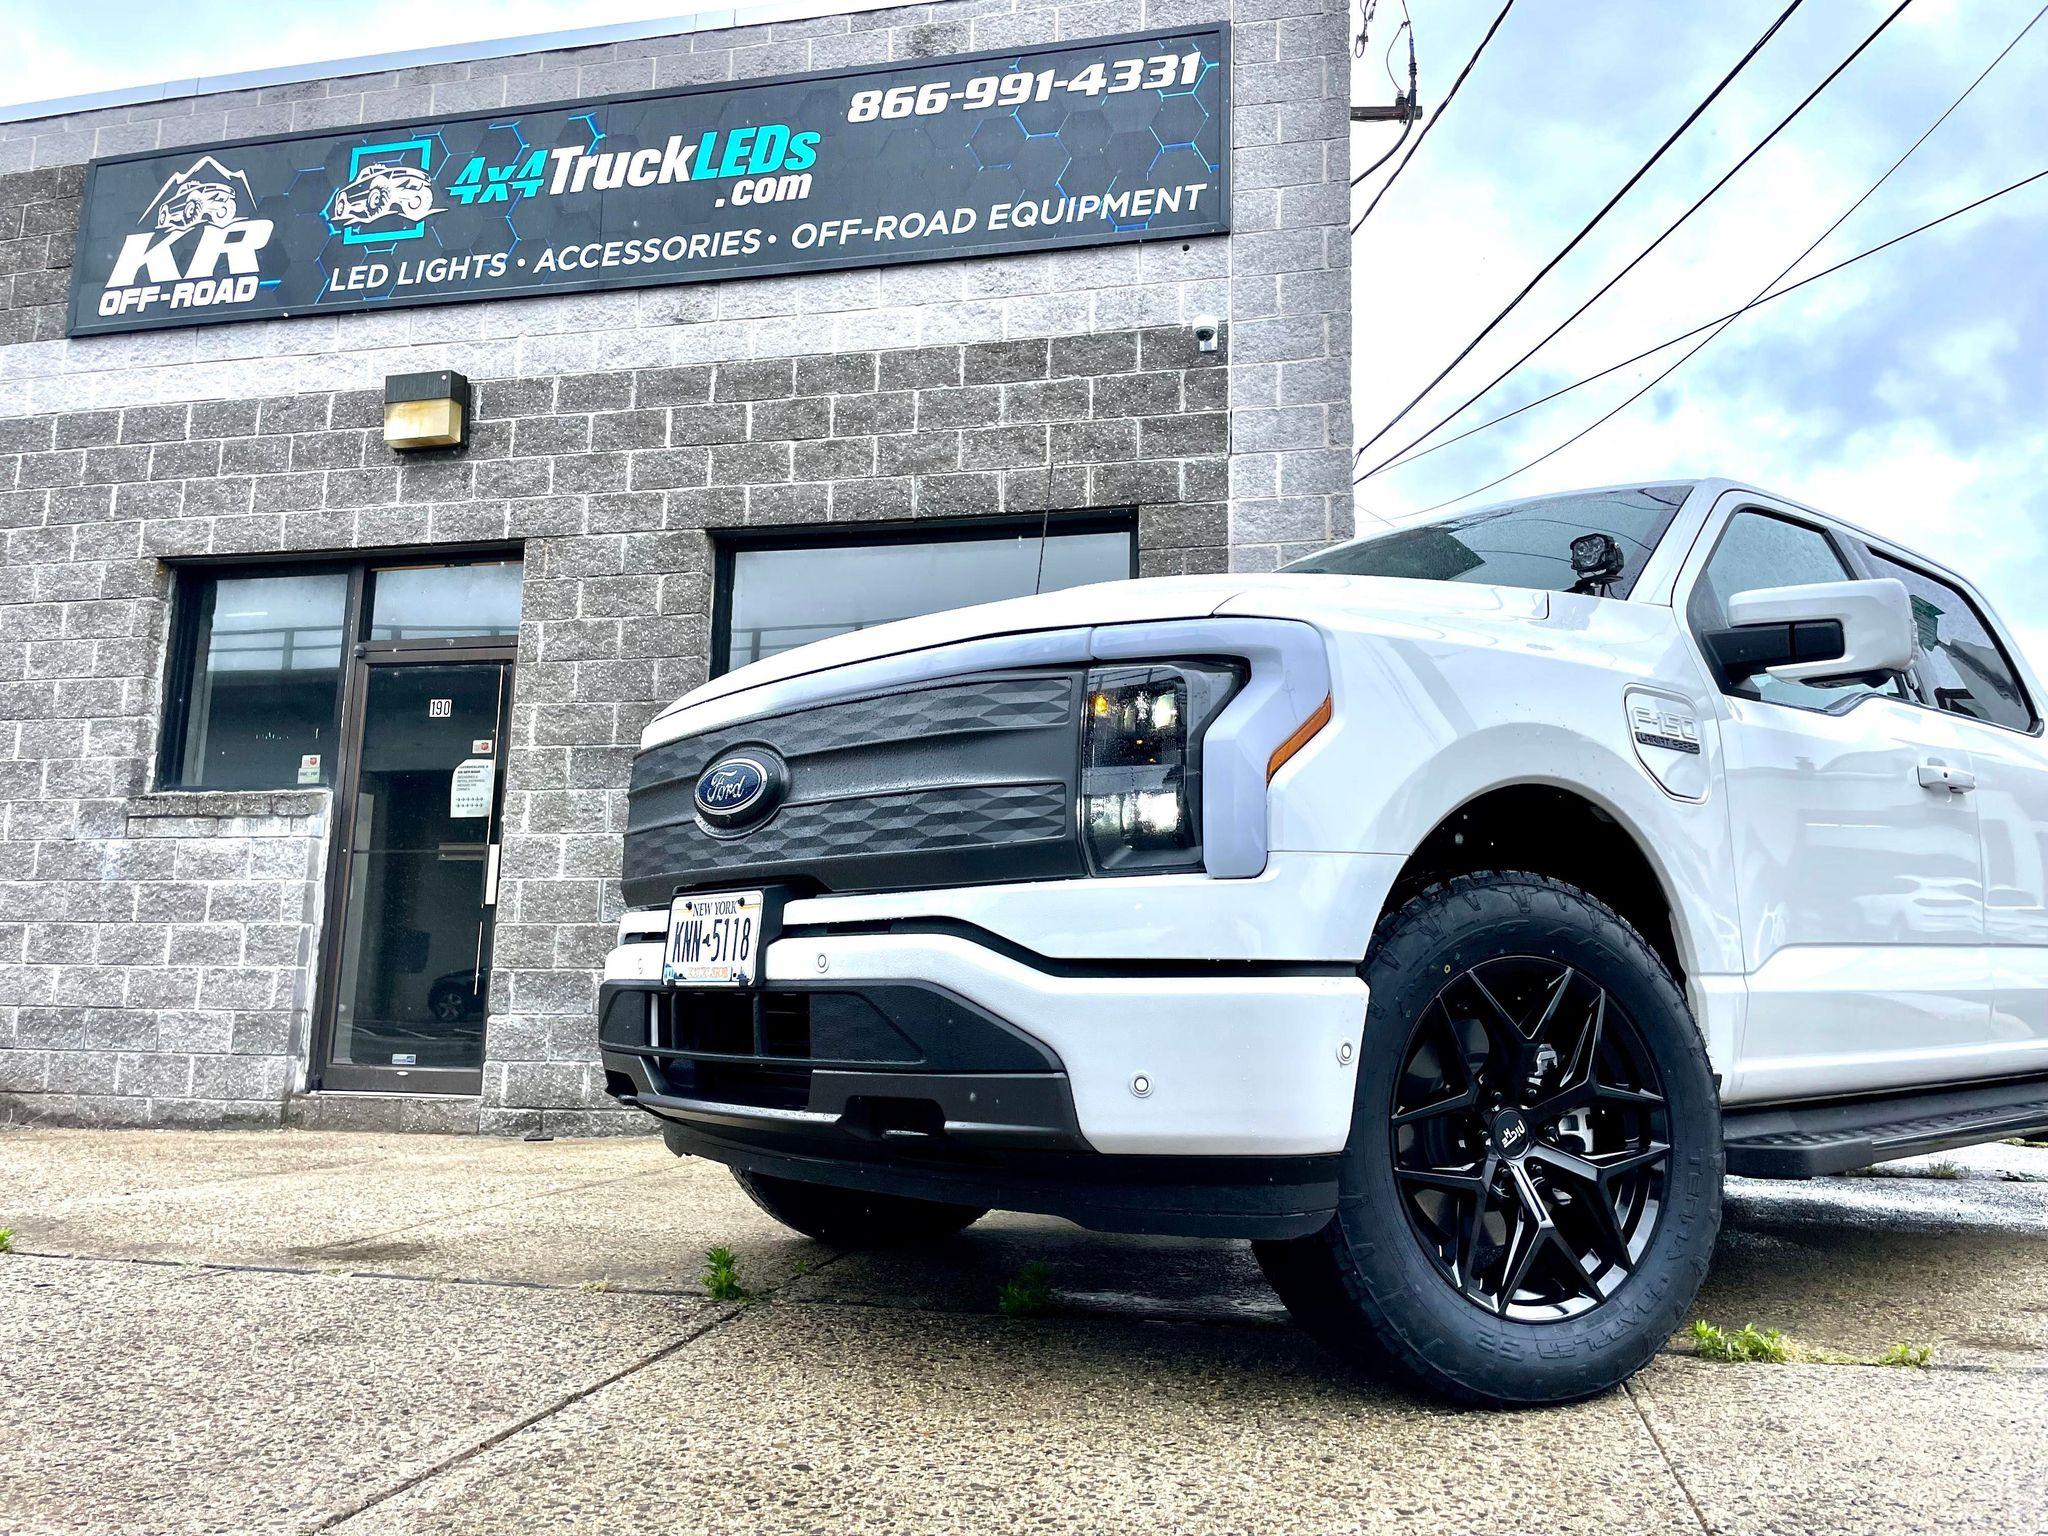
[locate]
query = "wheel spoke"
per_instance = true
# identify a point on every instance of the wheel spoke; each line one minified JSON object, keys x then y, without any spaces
{"x":1580,"y":1168}
{"x":1468,"y":1063}
{"x":1465,"y":1098}
{"x":1596,"y":1178}
{"x":1613,"y":1165}
{"x":1470,"y":1231}
{"x":1587,"y":1051}
{"x":1597,"y":1169}
{"x":1529,"y":1236}
{"x":1610,"y":1242}
{"x":1641,"y":1097}
{"x":1457,"y":1181}
{"x":1549,"y":1014}
{"x":1503,"y":1031}
{"x":1571,"y":1097}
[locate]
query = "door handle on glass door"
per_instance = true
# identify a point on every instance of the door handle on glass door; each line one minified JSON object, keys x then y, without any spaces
{"x":1938,"y":775}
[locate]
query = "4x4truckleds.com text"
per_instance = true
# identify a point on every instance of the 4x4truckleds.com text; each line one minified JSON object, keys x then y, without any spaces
{"x":1445,"y":913}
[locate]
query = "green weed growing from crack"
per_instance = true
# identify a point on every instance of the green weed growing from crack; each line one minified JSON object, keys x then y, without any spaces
{"x":1029,"y":1295}
{"x":722,"y":1276}
{"x":6,"y":1239}
{"x":1749,"y":1344}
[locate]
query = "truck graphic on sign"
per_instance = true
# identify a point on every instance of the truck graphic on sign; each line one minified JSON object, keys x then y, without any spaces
{"x":200,"y":202}
{"x":381,"y":190}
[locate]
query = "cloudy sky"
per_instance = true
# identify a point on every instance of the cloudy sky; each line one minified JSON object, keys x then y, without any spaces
{"x":96,"y":45}
{"x":1905,"y":392}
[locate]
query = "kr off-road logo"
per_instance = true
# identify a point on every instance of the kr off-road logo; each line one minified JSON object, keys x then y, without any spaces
{"x":198,"y":246}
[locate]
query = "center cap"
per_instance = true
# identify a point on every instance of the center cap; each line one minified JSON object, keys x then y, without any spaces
{"x":1509,"y":1133}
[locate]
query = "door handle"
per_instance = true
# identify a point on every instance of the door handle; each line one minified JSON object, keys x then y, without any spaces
{"x":1938,"y":775}
{"x":491,"y":874}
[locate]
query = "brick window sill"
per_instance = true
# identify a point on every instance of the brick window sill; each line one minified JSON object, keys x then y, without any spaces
{"x":228,"y":802}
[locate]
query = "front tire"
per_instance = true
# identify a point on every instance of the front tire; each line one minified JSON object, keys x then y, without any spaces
{"x":847,"y":1218}
{"x":1532,"y":1187}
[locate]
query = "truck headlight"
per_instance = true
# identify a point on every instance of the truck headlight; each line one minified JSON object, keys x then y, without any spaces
{"x":1141,"y":762}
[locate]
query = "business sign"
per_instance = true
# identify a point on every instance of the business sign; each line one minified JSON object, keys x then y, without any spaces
{"x":1068,"y":144}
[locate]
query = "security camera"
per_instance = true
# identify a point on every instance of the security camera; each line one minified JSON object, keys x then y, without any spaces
{"x":1206,"y":328}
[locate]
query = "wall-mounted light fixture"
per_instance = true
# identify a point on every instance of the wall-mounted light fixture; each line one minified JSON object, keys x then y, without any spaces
{"x":426,"y":410}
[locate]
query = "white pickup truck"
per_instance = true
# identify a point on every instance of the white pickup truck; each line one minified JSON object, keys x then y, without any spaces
{"x":1445,"y":913}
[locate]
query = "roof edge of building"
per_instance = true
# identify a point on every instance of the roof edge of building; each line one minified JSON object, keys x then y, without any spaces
{"x":762,"y":13}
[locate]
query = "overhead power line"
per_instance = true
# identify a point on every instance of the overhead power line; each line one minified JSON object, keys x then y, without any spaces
{"x":1643,"y":255}
{"x":1407,"y":127}
{"x":1586,"y":229}
{"x":1765,"y":295}
{"x":1445,"y":106}
{"x":1716,"y":325}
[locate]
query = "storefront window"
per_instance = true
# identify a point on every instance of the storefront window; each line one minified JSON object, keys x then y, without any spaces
{"x":265,"y":677}
{"x":785,"y":593}
{"x":254,"y":698}
{"x":436,"y":602}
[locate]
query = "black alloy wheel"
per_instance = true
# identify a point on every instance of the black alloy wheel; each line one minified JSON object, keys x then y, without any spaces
{"x":1532,"y":1186}
{"x":1529,"y":1136}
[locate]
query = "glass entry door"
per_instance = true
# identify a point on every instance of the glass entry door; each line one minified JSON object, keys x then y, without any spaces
{"x":417,"y":877}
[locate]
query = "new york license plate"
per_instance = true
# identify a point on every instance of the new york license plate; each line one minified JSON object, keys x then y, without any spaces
{"x":714,"y":940}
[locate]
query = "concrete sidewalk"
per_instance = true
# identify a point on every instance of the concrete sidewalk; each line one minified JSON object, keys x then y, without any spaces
{"x":280,"y":1332}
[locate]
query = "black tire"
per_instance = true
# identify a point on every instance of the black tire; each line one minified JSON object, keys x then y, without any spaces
{"x":1398,"y":1281}
{"x":847,"y":1218}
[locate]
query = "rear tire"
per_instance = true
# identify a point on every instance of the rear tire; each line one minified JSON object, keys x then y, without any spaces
{"x":847,"y":1218}
{"x":1531,"y":1227}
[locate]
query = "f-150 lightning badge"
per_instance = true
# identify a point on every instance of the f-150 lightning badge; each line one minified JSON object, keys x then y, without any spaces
{"x":1070,"y":144}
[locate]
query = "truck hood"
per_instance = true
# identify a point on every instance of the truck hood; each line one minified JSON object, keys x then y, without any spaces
{"x":1108,"y":602}
{"x":1133,"y":602}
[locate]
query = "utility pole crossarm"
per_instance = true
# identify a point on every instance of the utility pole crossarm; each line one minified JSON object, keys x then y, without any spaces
{"x":1404,"y":110}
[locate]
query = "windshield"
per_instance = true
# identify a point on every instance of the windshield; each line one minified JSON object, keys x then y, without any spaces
{"x":1553,"y":545}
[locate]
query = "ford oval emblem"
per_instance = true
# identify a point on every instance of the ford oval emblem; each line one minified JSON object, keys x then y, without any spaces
{"x":737,"y":790}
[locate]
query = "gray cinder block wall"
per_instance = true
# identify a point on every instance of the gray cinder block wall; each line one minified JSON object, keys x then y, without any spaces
{"x":157,"y":949}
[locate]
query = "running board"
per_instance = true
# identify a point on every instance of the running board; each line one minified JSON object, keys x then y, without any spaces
{"x":1802,"y":1141}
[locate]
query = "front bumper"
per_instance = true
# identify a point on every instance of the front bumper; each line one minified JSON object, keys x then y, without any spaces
{"x":1189,"y":1060}
{"x":1208,"y":1098}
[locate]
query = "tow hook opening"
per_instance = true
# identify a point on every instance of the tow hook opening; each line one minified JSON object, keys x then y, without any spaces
{"x":876,"y":1117}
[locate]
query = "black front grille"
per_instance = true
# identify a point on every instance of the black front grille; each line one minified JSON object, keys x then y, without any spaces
{"x":957,"y":782}
{"x":731,"y":1023}
{"x":735,"y":1047}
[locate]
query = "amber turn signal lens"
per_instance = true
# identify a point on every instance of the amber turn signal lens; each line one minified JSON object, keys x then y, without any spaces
{"x":1303,"y":735}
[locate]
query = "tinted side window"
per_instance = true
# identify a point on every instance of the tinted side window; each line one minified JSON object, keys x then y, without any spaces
{"x":1756,"y":551}
{"x":1961,"y":665}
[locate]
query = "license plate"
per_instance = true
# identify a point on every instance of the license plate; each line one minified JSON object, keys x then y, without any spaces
{"x":714,"y":939}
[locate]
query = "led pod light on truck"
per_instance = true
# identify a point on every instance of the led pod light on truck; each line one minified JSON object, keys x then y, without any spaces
{"x":1141,"y":762}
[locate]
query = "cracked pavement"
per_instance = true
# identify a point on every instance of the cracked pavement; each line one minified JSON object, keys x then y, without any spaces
{"x":295,"y":1331}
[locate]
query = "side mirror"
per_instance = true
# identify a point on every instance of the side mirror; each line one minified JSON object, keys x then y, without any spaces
{"x":1820,"y":631}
